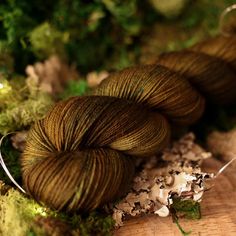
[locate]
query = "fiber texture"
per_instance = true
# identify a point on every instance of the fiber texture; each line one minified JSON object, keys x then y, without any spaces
{"x":81,"y":155}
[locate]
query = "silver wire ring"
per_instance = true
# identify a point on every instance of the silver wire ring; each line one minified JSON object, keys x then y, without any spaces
{"x":222,"y":16}
{"x":5,"y":168}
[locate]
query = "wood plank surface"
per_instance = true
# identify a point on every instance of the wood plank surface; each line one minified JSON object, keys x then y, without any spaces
{"x":218,"y":212}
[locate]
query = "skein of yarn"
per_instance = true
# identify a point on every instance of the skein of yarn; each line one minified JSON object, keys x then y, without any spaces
{"x":81,"y":155}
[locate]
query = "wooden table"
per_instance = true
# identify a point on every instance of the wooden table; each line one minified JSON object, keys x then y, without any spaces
{"x":218,"y":212}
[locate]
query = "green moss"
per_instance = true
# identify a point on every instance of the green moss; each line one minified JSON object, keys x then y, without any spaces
{"x":46,"y":41}
{"x":20,"y":115}
{"x":94,"y":223}
{"x":18,"y":216}
{"x":92,"y":33}
{"x":12,"y":161}
{"x":188,"y":208}
{"x":17,"y":213}
{"x":183,"y":232}
{"x":75,"y":88}
{"x":19,"y":106}
{"x":184,"y":208}
{"x":85,"y":31}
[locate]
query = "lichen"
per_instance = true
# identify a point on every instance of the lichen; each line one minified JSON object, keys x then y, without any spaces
{"x":19,"y":115}
{"x":17,"y":213}
{"x":174,"y":182}
{"x":74,"y":88}
{"x":18,"y":108}
{"x":22,"y":216}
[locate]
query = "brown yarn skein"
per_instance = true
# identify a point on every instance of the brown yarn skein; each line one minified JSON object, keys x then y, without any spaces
{"x":81,"y":155}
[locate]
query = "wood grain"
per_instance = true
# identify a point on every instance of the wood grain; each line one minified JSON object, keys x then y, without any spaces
{"x":218,"y":212}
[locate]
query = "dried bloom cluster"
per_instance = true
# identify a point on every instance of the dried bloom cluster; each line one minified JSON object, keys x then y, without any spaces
{"x":95,"y":78}
{"x":176,"y":174}
{"x":50,"y":76}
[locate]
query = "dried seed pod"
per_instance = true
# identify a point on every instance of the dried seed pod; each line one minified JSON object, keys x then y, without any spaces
{"x":79,"y":156}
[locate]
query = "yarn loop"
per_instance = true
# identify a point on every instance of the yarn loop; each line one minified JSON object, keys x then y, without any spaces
{"x":81,"y":155}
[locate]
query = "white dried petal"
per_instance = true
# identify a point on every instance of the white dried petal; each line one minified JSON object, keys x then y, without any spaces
{"x":198,"y":196}
{"x":163,"y":211}
{"x":181,"y":183}
{"x":206,"y":155}
{"x":159,"y":194}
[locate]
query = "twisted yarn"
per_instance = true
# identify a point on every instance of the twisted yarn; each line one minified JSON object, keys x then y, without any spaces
{"x":81,"y":155}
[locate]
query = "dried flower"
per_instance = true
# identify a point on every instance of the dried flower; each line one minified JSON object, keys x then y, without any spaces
{"x":176,"y":176}
{"x":51,"y":75}
{"x":95,"y":78}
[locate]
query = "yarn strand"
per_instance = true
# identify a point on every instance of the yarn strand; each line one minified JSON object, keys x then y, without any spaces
{"x":81,"y":155}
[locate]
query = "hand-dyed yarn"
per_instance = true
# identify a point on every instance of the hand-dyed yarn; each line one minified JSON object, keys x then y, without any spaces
{"x":81,"y":155}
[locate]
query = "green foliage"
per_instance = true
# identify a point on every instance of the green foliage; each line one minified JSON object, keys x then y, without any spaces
{"x":74,"y":88}
{"x":46,"y":41}
{"x":184,"y":208}
{"x":188,"y":208}
{"x":87,"y":32}
{"x":91,"y":33}
{"x":205,"y":13}
{"x":124,"y":13}
{"x":97,"y":29}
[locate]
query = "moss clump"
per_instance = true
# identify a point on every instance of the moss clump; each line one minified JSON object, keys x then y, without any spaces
{"x":46,"y":41}
{"x":17,"y":116}
{"x":94,"y":223}
{"x":86,"y":31}
{"x":17,"y":213}
{"x":12,"y":160}
{"x":74,"y":88}
{"x":188,"y":208}
{"x":24,"y":217}
{"x":20,"y":106}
